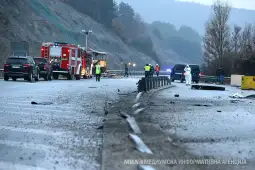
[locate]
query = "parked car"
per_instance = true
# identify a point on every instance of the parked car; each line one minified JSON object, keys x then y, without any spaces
{"x":21,"y":67}
{"x":44,"y":67}
{"x":178,"y":72}
{"x":195,"y":72}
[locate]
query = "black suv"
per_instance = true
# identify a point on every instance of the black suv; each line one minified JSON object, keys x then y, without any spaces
{"x":195,"y":72}
{"x":178,"y":72}
{"x":21,"y":67}
{"x":44,"y":67}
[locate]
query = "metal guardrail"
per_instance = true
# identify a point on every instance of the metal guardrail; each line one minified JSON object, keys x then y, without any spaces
{"x":203,"y":78}
{"x":134,"y":73}
{"x":149,"y":83}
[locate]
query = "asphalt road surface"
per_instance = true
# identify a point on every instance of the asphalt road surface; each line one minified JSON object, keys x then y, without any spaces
{"x":209,"y":123}
{"x":60,"y":135}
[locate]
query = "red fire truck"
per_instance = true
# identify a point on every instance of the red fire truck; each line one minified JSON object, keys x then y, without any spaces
{"x":66,"y":59}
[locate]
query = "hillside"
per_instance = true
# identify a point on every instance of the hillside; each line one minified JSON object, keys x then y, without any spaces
{"x":46,"y":20}
{"x":129,"y":39}
{"x":185,"y":13}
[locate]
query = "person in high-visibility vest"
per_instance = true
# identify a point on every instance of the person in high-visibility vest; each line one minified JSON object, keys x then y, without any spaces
{"x":98,"y":72}
{"x":157,"y":69}
{"x":147,"y":70}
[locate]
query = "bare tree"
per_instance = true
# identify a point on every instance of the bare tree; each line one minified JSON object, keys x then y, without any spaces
{"x":246,"y":42}
{"x":236,"y":39}
{"x":217,"y":34}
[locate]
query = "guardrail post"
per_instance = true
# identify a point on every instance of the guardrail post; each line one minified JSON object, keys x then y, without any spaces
{"x":149,"y":82}
{"x":146,"y":84}
{"x":141,"y":85}
{"x":153,"y":82}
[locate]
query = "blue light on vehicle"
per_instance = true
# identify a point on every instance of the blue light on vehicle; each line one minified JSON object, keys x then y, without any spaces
{"x":169,"y":70}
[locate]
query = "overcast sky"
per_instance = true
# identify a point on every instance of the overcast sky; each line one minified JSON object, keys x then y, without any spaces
{"x":248,"y":4}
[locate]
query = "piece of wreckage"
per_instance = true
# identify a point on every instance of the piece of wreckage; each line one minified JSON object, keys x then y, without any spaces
{"x":207,"y":87}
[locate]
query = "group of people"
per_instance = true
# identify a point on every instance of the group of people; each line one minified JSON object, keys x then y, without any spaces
{"x":150,"y":70}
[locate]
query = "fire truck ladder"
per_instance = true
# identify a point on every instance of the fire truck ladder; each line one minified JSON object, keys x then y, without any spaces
{"x":46,"y":52}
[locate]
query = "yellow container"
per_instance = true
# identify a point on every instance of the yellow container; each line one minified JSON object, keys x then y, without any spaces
{"x":248,"y":82}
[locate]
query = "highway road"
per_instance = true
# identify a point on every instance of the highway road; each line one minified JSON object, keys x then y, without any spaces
{"x":206,"y":124}
{"x":61,"y":135}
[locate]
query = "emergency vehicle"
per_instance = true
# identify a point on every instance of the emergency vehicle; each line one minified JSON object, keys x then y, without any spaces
{"x":95,"y":58}
{"x":86,"y":64}
{"x":66,"y":59}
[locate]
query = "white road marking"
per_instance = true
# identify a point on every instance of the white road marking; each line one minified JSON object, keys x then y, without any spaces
{"x":10,"y":166}
{"x":34,"y":109}
{"x":30,"y":130}
{"x":46,"y":115}
{"x":50,"y":106}
{"x":27,"y":145}
{"x":28,"y":102}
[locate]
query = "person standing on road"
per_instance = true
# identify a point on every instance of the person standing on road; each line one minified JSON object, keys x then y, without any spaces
{"x":147,"y":70}
{"x":187,"y":75}
{"x":98,"y":72}
{"x":152,"y":70}
{"x":157,"y":69}
{"x":126,"y":71}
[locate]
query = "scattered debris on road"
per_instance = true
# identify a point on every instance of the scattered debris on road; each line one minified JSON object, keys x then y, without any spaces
{"x":176,"y":95}
{"x":252,"y":96}
{"x":235,"y":101}
{"x":139,"y":110}
{"x":42,"y":103}
{"x":136,"y":105}
{"x":131,"y":122}
{"x":123,"y":115}
{"x":138,"y":97}
{"x":240,"y":96}
{"x":170,"y":139}
{"x":133,"y":125}
{"x":101,"y":127}
{"x":140,"y":145}
{"x":207,"y":87}
{"x":93,"y":87}
{"x":106,"y":112}
{"x":237,"y":95}
{"x":206,"y":105}
{"x":219,"y":111}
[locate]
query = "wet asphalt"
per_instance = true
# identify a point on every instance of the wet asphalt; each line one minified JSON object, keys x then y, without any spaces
{"x":63,"y":134}
{"x":208,"y":123}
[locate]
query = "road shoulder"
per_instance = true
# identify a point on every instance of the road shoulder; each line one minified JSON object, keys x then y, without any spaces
{"x":117,"y":146}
